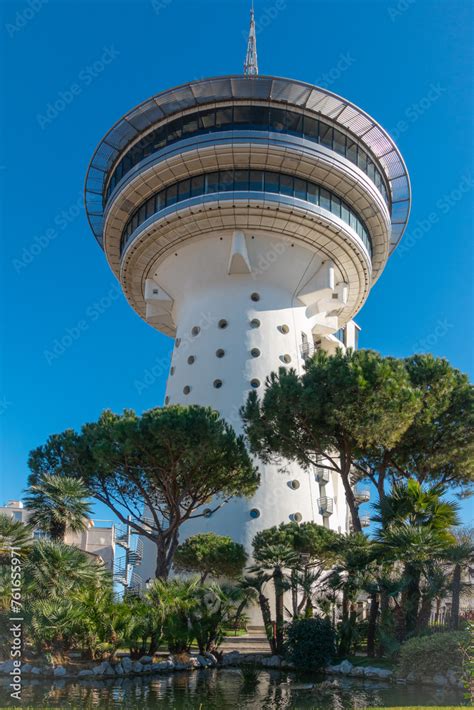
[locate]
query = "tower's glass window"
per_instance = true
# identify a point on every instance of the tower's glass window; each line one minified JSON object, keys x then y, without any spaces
{"x":272,"y":182}
{"x":324,"y":198}
{"x":326,"y":136}
{"x":311,"y":127}
{"x":278,"y":119}
{"x":223,"y":116}
{"x":171,"y":195}
{"x":241,"y":180}
{"x":185,"y":189}
{"x":339,"y":142}
{"x":300,"y":188}
{"x":256,"y":180}
{"x":244,"y":180}
{"x":197,"y":185}
{"x":286,"y":185}
{"x":208,"y":119}
{"x":212,"y":182}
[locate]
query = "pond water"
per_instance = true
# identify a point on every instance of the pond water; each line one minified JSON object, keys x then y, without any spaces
{"x":222,"y":690}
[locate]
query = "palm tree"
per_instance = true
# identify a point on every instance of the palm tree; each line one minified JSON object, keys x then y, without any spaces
{"x":275,"y":559}
{"x":174,"y":601}
{"x":13,"y":534}
{"x":255,"y":584}
{"x":461,"y":557}
{"x":58,"y":503}
{"x":55,"y":570}
{"x":416,"y":528}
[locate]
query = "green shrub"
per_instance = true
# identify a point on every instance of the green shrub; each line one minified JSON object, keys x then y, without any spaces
{"x":310,"y":643}
{"x":438,"y":653}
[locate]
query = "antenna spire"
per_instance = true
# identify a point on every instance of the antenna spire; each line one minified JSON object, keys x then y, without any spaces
{"x":251,"y":62}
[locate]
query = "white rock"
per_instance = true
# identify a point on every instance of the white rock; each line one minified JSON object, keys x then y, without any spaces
{"x":358,"y":671}
{"x":231,"y":658}
{"x":453,"y":678}
{"x":210,"y":657}
{"x":145,"y":660}
{"x":203,"y":661}
{"x":118,"y":668}
{"x":374,"y":672}
{"x":272,"y":662}
{"x":440,"y":680}
{"x":345,"y":667}
{"x":7,"y":666}
{"x":59,"y":671}
{"x":100,"y":669}
{"x":26,"y":668}
{"x":127,"y":664}
{"x":85,"y":672}
{"x":36,"y":670}
{"x":137,"y":667}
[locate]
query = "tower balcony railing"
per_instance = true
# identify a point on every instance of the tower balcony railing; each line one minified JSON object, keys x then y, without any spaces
{"x":362,"y":495}
{"x":120,"y":573}
{"x":326,"y":505}
{"x":365,"y":521}
{"x":134,"y":557}
{"x":322,"y":476}
{"x":122,"y":536}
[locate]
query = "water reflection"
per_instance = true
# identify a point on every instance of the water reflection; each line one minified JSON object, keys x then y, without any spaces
{"x":222,"y":690}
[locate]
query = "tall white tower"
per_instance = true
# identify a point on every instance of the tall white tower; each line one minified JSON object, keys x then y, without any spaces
{"x":248,"y":217}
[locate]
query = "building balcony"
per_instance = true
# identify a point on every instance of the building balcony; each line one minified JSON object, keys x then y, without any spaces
{"x":365,"y":521}
{"x":362,"y":495}
{"x":322,"y":476}
{"x":326,"y":505}
{"x":134,"y":557}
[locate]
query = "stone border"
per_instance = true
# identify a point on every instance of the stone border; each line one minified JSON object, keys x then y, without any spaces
{"x":126,"y":667}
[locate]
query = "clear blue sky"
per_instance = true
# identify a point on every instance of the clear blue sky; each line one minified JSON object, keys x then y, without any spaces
{"x":406,"y":62}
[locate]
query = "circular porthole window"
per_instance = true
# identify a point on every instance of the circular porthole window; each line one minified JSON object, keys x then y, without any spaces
{"x":220,"y":352}
{"x":207,"y":512}
{"x":255,"y":513}
{"x":255,"y":296}
{"x":255,"y":352}
{"x":286,"y":358}
{"x":187,"y":389}
{"x":196,"y":330}
{"x":177,"y":342}
{"x":294,"y":484}
{"x":217,"y":384}
{"x":191,"y":359}
{"x":297,"y":517}
{"x":172,"y":371}
{"x":167,"y":400}
{"x":222,"y":323}
{"x":255,"y":383}
{"x":255,"y":323}
{"x":283,"y":329}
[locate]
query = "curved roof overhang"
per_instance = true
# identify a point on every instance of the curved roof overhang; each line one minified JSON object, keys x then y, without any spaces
{"x":262,"y":88}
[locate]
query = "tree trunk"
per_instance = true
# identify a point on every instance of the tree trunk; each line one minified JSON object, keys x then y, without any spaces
{"x":425,"y":613}
{"x":384,"y":613}
{"x":455,"y":597}
{"x":57,"y":532}
{"x":267,"y":620}
{"x":165,"y":549}
{"x":411,"y":598}
{"x":294,"y":593}
{"x":372,"y":625}
{"x":350,"y":499}
{"x":279,"y":607}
